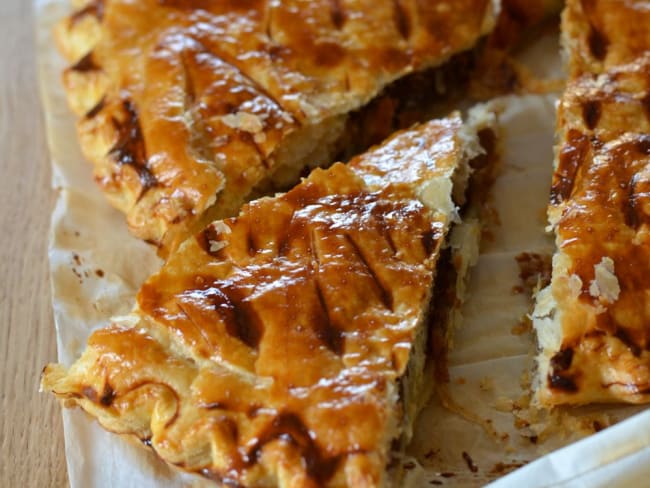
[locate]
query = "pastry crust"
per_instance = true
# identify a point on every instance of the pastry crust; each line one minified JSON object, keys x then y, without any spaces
{"x":272,"y":348}
{"x":188,"y":109}
{"x":600,"y":34}
{"x":593,"y":322}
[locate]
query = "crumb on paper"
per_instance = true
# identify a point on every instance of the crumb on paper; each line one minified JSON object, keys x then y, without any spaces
{"x":504,"y":404}
{"x":68,"y":403}
{"x":490,"y":222}
{"x":534,"y":270}
{"x":486,"y":384}
{"x":409,"y":465}
{"x":470,"y":462}
{"x":517,"y":290}
{"x":524,"y":326}
{"x":521,"y":423}
{"x":78,"y":274}
{"x":76,"y":262}
{"x":431,"y":453}
{"x":503,"y":468}
{"x":587,"y":425}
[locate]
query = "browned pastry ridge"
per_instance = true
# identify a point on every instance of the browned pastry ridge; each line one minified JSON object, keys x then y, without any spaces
{"x":593,"y":321}
{"x":600,"y":34}
{"x":286,"y":346}
{"x":190,"y":108}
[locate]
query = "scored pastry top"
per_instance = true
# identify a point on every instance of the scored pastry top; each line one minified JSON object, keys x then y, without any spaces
{"x":269,"y":348}
{"x":188,"y":106}
{"x":600,"y":210}
{"x":600,"y":34}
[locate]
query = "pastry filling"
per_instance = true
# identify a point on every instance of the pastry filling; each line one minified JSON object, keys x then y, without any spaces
{"x":407,"y":101}
{"x":428,"y":360}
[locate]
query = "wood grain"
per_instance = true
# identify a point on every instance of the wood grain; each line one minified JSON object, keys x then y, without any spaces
{"x":31,"y":436}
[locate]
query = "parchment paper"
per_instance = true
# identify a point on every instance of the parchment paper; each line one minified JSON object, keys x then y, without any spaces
{"x":488,"y":389}
{"x":96,"y":268}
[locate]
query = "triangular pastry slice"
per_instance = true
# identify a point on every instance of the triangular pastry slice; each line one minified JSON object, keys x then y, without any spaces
{"x":286,"y":346}
{"x":189,"y":109}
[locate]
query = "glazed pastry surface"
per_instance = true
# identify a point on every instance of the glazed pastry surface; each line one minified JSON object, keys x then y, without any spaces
{"x":188,"y":109}
{"x":593,"y":321}
{"x":273,"y":347}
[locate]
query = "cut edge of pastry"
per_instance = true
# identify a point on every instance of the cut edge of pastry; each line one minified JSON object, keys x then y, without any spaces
{"x":603,"y":107}
{"x":306,"y":148}
{"x":462,"y":249}
{"x":546,"y":318}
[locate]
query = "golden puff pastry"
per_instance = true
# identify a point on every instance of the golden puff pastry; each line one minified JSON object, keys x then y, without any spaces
{"x":190,"y":108}
{"x":593,"y":321}
{"x":600,"y":34}
{"x":286,"y":346}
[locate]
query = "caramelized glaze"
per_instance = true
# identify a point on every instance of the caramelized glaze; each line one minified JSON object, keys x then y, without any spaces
{"x":222,"y":88}
{"x":602,"y":34}
{"x":600,"y":208}
{"x":270,"y":347}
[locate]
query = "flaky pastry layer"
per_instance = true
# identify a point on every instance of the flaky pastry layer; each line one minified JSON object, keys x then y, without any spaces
{"x":593,"y":322}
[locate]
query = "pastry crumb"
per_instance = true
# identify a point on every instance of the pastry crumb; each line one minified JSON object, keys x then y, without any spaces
{"x":605,"y":286}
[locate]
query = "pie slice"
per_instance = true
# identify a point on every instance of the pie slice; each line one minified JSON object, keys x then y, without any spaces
{"x":593,"y":321}
{"x":286,"y":346}
{"x":189,"y":109}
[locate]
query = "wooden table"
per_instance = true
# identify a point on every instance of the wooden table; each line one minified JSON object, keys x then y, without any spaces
{"x":31,"y":439}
